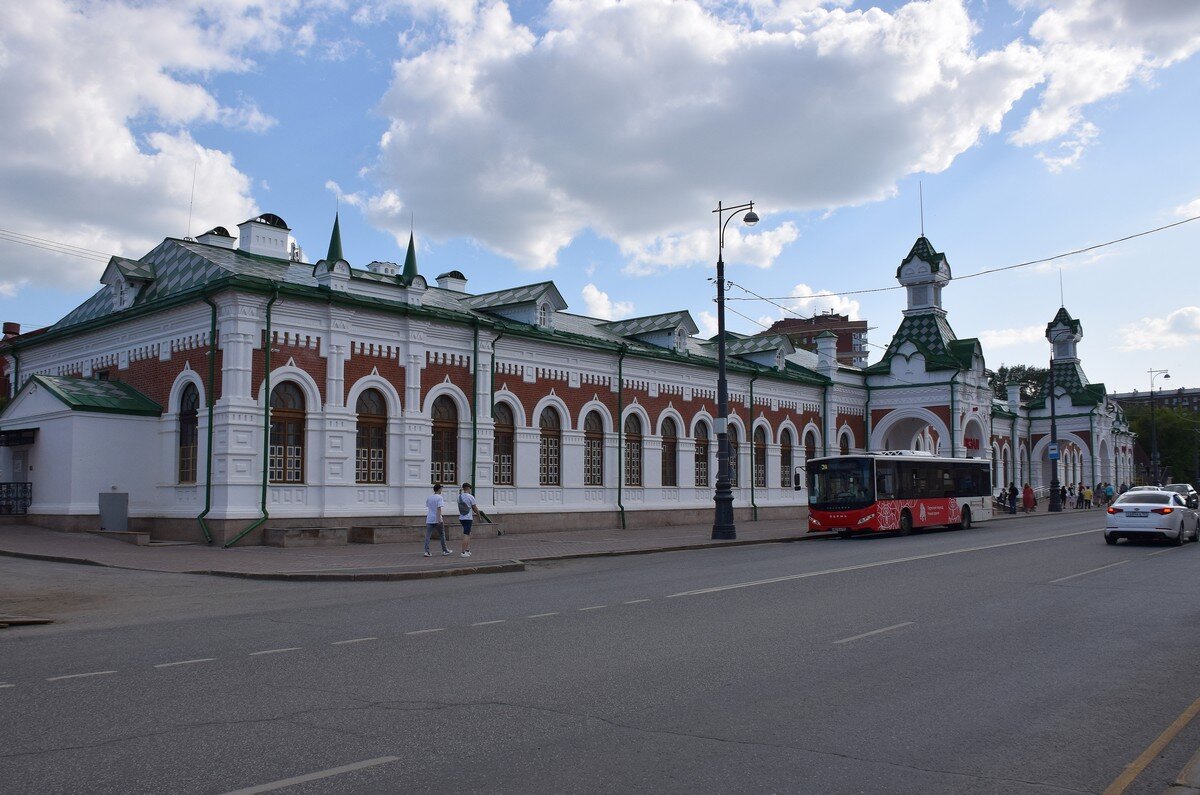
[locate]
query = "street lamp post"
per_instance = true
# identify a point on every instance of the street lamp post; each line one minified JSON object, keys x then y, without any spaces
{"x":723,"y":526}
{"x":1154,"y":426}
{"x":1055,"y":497}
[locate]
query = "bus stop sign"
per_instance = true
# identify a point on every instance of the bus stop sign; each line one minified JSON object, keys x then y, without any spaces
{"x":1053,"y":451}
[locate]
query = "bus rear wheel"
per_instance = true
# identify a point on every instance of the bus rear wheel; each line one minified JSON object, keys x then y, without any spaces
{"x":965,"y":524}
{"x":905,"y":523}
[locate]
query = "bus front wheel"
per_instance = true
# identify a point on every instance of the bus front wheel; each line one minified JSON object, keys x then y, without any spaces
{"x":905,"y":523}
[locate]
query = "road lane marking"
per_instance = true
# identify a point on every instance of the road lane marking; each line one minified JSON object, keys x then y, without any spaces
{"x":185,"y":662}
{"x":352,"y":640}
{"x":636,"y":601}
{"x":79,"y":676}
{"x":542,"y":615}
{"x":873,"y":632}
{"x":1164,"y":551}
{"x":485,"y":623}
{"x":425,"y":631}
{"x":593,"y":607}
{"x":1089,"y":571}
{"x":876,"y":564}
{"x":320,"y":774}
{"x":274,"y":651}
{"x":1135,"y":768}
{"x":2,"y":686}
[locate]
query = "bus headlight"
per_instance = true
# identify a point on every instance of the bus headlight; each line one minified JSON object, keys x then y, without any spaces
{"x":866,"y":518}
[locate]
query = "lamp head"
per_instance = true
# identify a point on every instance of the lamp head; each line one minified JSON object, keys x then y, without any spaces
{"x":750,"y":218}
{"x":1166,"y":376}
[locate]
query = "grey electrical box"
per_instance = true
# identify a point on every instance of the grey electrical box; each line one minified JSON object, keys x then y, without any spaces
{"x":114,"y":511}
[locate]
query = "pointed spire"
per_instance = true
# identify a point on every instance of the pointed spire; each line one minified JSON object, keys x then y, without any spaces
{"x":410,"y":262}
{"x":335,"y":241}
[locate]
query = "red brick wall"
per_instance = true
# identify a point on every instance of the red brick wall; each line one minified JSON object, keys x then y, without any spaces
{"x":360,"y":365}
{"x":308,"y":359}
{"x":153,"y":378}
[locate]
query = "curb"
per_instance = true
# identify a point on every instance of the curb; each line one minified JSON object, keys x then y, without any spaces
{"x":366,"y":576}
{"x":58,"y":559}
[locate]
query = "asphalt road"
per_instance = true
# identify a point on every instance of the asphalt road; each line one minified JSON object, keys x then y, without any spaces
{"x":1020,"y":656}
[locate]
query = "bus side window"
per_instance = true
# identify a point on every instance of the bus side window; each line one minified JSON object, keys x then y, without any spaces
{"x":885,"y":480}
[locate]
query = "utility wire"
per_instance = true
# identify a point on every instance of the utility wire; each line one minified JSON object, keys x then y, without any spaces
{"x":53,"y":245}
{"x":1000,"y":269}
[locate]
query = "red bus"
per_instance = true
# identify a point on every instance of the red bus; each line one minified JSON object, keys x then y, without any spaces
{"x":896,"y":492}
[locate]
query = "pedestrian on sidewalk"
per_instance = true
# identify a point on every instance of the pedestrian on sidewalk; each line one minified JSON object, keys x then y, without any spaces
{"x":1087,"y":496}
{"x":1028,"y":500}
{"x":1012,"y":497}
{"x":1109,"y":493}
{"x":467,"y":508}
{"x":434,"y":505}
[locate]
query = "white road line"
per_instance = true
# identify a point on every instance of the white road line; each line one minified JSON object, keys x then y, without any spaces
{"x":425,"y":631}
{"x":333,"y":771}
{"x":1164,"y":551}
{"x":593,"y":607}
{"x":2,"y":686}
{"x":77,"y":676}
{"x":877,"y":564}
{"x":485,"y":623}
{"x":873,"y":632}
{"x":1089,"y":571}
{"x":636,"y":601}
{"x":352,"y":640}
{"x":542,"y":615}
{"x":185,"y":662}
{"x":274,"y":651}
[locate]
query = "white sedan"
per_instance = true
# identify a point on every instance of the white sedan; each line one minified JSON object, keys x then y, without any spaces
{"x":1151,"y":514}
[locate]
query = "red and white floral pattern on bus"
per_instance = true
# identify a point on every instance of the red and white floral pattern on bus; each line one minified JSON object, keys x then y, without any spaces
{"x":924,"y":512}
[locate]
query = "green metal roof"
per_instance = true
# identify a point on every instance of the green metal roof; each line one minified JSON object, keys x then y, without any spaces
{"x":90,"y":394}
{"x":335,"y":241}
{"x":1069,"y":378}
{"x":923,"y":250}
{"x":1064,"y":317}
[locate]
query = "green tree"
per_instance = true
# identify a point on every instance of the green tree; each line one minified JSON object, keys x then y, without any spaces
{"x":1032,"y":379}
{"x":1178,"y":440}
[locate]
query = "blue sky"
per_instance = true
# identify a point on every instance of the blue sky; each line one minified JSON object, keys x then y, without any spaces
{"x":585,"y":141}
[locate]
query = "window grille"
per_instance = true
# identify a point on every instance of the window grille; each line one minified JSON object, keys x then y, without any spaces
{"x":670,"y":454}
{"x":443,"y":462}
{"x":371,"y":439}
{"x":785,"y":459}
{"x":759,"y":464}
{"x":285,"y":452}
{"x":593,"y":450}
{"x":633,"y":451}
{"x":189,"y":433}
{"x":550,"y":449}
{"x":701,"y":458}
{"x":503,"y":448}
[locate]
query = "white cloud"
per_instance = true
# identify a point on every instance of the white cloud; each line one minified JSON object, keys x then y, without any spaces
{"x":1189,"y":210}
{"x":97,"y":100}
{"x":1007,"y":337}
{"x":631,"y":118}
{"x":808,"y":302}
{"x":1094,"y":49}
{"x":1179,"y":329}
{"x":598,"y":304}
{"x":707,"y":323}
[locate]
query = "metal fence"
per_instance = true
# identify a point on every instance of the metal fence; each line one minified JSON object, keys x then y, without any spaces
{"x":15,"y":498}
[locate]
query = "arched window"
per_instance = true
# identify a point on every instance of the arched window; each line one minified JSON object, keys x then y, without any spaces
{"x":785,"y":459}
{"x":444,"y":455}
{"x":189,"y":433}
{"x":285,"y":460}
{"x":370,"y":459}
{"x":701,"y":438}
{"x":759,"y":464}
{"x":670,"y":453}
{"x":633,"y":451}
{"x":503,"y":448}
{"x":550,"y":448}
{"x":593,"y":449}
{"x":810,"y":448}
{"x":845,"y":445}
{"x":733,"y":457}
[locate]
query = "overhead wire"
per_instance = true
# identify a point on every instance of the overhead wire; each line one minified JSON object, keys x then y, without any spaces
{"x":54,"y":246}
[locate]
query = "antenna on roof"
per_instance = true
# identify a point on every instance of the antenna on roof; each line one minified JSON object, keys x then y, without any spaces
{"x":192,"y":198}
{"x":921,"y":200}
{"x":1062,"y":302}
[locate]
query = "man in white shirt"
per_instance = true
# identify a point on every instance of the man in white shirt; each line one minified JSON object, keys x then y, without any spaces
{"x":434,"y":504}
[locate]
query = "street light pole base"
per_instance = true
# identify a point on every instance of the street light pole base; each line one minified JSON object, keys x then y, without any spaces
{"x":724,"y":533}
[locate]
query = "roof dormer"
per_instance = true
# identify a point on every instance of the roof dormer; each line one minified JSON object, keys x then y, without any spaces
{"x":670,"y":330}
{"x":125,"y":280}
{"x":535,"y":304}
{"x":266,"y":235}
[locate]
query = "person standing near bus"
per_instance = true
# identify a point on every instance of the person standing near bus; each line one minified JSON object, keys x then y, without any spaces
{"x":1028,"y":500}
{"x":1012,"y":497}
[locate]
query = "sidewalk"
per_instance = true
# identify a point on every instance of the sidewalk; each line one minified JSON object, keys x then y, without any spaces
{"x":489,"y":553}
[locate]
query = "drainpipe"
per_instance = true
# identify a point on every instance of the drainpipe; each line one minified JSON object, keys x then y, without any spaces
{"x":474,"y":397}
{"x":953,"y":416}
{"x":825,"y":419}
{"x":492,"y":401}
{"x":208,"y":388}
{"x":266,"y":425}
{"x":621,"y":431}
{"x":753,"y":504}
{"x":868,"y":417}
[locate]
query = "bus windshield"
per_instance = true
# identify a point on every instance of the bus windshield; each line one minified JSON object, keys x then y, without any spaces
{"x":841,"y":483}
